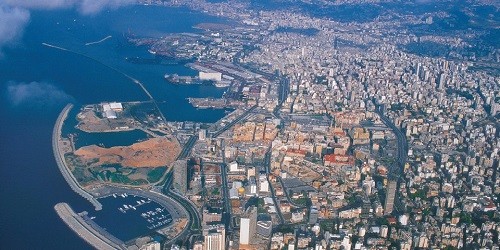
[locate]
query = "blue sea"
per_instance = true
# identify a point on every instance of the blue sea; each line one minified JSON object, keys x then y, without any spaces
{"x":37,"y":81}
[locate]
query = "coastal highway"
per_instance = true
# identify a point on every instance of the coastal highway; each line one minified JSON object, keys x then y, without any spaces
{"x":238,"y":119}
{"x":194,"y":224}
{"x":86,"y":232}
{"x":61,"y":163}
{"x":187,"y":147}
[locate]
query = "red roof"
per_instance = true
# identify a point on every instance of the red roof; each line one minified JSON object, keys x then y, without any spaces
{"x":339,"y":159}
{"x":391,"y":220}
{"x":296,"y":151}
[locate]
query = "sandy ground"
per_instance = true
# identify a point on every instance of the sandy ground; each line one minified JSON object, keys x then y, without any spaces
{"x":89,"y":122}
{"x":153,"y":152}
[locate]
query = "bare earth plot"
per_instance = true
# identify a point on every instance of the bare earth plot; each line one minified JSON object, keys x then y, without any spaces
{"x":154,"y":152}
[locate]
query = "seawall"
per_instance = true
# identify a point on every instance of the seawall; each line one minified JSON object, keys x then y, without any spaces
{"x":61,"y":162}
{"x":83,"y":229}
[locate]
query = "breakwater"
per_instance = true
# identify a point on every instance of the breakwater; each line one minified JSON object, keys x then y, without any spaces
{"x":61,"y":163}
{"x":81,"y":227}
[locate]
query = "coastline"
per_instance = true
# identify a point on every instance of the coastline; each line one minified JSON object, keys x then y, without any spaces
{"x":61,"y":163}
{"x":84,"y":230}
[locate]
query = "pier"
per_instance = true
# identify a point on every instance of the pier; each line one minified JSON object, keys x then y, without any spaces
{"x":97,"y":42}
{"x":61,"y":162}
{"x":80,"y":226}
{"x":139,"y":83}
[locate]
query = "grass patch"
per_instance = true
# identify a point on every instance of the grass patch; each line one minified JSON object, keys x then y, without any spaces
{"x":155,"y":174}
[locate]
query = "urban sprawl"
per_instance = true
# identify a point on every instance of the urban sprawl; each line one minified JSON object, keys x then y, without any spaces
{"x":340,"y":137}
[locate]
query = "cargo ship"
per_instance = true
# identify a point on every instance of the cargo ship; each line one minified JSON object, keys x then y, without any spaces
{"x":158,"y":59}
{"x":177,"y":79}
{"x":186,"y":80}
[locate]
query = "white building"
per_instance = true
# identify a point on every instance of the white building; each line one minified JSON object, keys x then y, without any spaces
{"x":108,"y":111}
{"x":116,"y":106}
{"x":234,"y":192}
{"x":202,"y":134}
{"x":264,"y":184}
{"x":346,"y":242}
{"x":215,"y":238}
{"x":252,"y":186}
{"x":110,"y":114}
{"x":297,"y":217}
{"x":234,"y":167}
{"x":248,"y":226}
{"x":151,"y":246}
{"x":214,"y":76}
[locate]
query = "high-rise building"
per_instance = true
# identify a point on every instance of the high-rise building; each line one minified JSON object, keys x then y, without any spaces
{"x":442,"y":81}
{"x":313,"y":215}
{"x":198,"y":245}
{"x":202,"y":134}
{"x":263,"y":184}
{"x":265,"y":228}
{"x":366,"y":208}
{"x":384,"y":230}
{"x":180,"y":176}
{"x":215,"y":237}
{"x":389,"y":196}
{"x":211,"y":215}
{"x":252,"y":183}
{"x":248,"y":225}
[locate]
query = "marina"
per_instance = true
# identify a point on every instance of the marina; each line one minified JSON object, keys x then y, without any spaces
{"x":128,"y":216}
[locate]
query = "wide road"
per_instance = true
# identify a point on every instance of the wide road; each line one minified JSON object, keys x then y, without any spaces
{"x":284,"y":88}
{"x":267,"y":165}
{"x":238,"y":119}
{"x":402,"y":145}
{"x":227,"y":204}
{"x":396,"y":170}
{"x":194,"y":224}
{"x":187,"y":147}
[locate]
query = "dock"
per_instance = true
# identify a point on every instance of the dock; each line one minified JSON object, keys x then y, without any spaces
{"x":61,"y":162}
{"x":79,"y":225}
